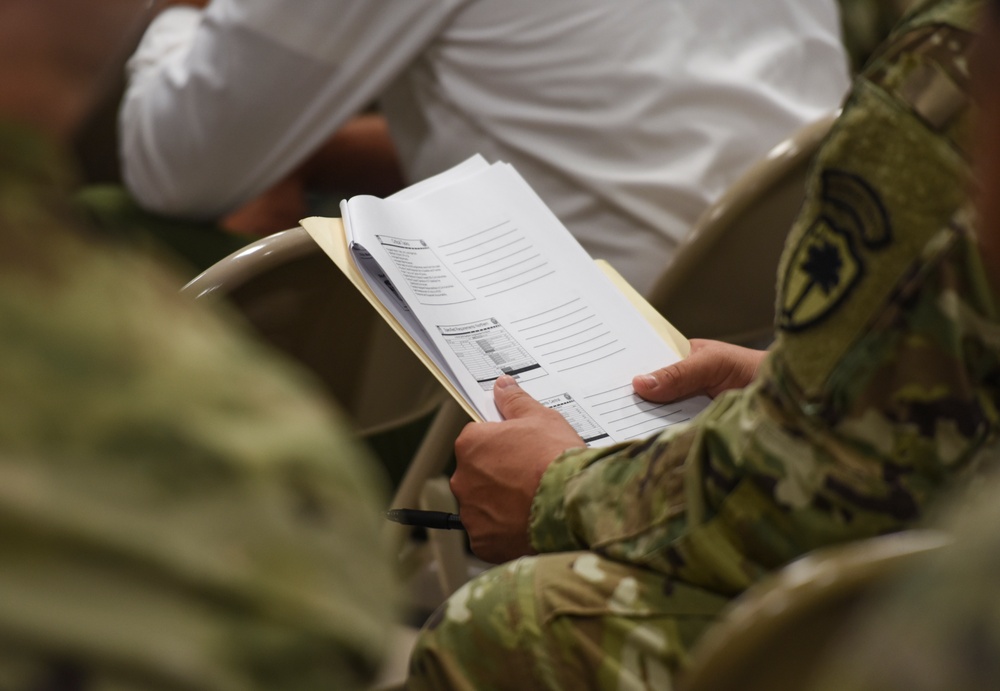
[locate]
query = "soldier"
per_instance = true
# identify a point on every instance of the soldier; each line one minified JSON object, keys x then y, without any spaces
{"x":178,"y":510}
{"x":938,"y":626}
{"x":879,"y":393}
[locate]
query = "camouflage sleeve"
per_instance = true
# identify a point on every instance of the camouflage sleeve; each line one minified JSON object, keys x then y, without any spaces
{"x":880,"y":387}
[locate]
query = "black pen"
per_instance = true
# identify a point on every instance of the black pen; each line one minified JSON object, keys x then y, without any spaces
{"x":439,"y":520}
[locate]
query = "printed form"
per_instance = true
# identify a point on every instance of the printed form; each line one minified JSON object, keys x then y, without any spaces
{"x":489,"y":282}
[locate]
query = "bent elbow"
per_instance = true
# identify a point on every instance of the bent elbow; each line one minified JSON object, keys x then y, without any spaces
{"x":167,"y":174}
{"x":178,"y":190}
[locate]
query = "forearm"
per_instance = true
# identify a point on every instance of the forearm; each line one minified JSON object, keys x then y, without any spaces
{"x":360,"y":158}
{"x":625,"y":501}
{"x":717,"y":506}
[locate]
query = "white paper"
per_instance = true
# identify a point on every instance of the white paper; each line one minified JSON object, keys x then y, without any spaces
{"x":500,"y":286}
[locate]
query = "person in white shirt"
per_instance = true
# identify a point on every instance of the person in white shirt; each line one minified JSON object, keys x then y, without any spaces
{"x":628,"y":117}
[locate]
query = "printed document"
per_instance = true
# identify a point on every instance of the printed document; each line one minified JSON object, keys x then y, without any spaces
{"x":487,"y":281}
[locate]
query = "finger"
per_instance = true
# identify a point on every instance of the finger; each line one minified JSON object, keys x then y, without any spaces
{"x":685,"y":378}
{"x":513,"y":401}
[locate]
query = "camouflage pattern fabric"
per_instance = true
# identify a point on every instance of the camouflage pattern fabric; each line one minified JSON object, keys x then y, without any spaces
{"x":879,"y":393}
{"x":866,"y":24}
{"x":178,"y":508}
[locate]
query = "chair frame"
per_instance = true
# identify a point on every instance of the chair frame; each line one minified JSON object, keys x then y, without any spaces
{"x":809,"y":602}
{"x":434,"y":452}
{"x":688,"y":294}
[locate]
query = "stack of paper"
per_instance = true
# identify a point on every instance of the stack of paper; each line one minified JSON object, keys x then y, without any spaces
{"x":485,"y":280}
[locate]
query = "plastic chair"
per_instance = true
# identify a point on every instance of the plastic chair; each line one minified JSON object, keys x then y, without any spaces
{"x":776,"y":633}
{"x":291,"y":293}
{"x":721,"y":281}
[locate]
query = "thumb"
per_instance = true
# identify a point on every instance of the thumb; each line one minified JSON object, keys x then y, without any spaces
{"x":513,"y":401}
{"x":680,"y":380}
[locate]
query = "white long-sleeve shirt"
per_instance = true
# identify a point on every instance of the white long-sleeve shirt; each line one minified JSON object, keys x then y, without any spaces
{"x":628,"y":117}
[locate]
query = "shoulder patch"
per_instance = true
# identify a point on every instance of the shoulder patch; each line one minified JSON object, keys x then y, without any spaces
{"x":829,"y":261}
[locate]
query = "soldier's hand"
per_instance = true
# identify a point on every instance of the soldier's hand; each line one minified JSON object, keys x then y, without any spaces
{"x":499,"y":467}
{"x":711,"y":368}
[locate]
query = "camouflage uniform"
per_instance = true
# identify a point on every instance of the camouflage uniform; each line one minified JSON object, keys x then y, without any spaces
{"x":178,"y":510}
{"x":866,"y":23}
{"x":880,"y":391}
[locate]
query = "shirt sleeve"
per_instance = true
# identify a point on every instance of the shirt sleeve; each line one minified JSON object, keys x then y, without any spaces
{"x":222,"y":103}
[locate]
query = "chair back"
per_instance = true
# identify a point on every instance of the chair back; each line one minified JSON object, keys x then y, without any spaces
{"x":775,"y":636}
{"x":720,"y":283}
{"x":296,"y":299}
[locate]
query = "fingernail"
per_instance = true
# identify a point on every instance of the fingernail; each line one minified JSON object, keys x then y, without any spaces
{"x":648,"y":381}
{"x":504,"y":381}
